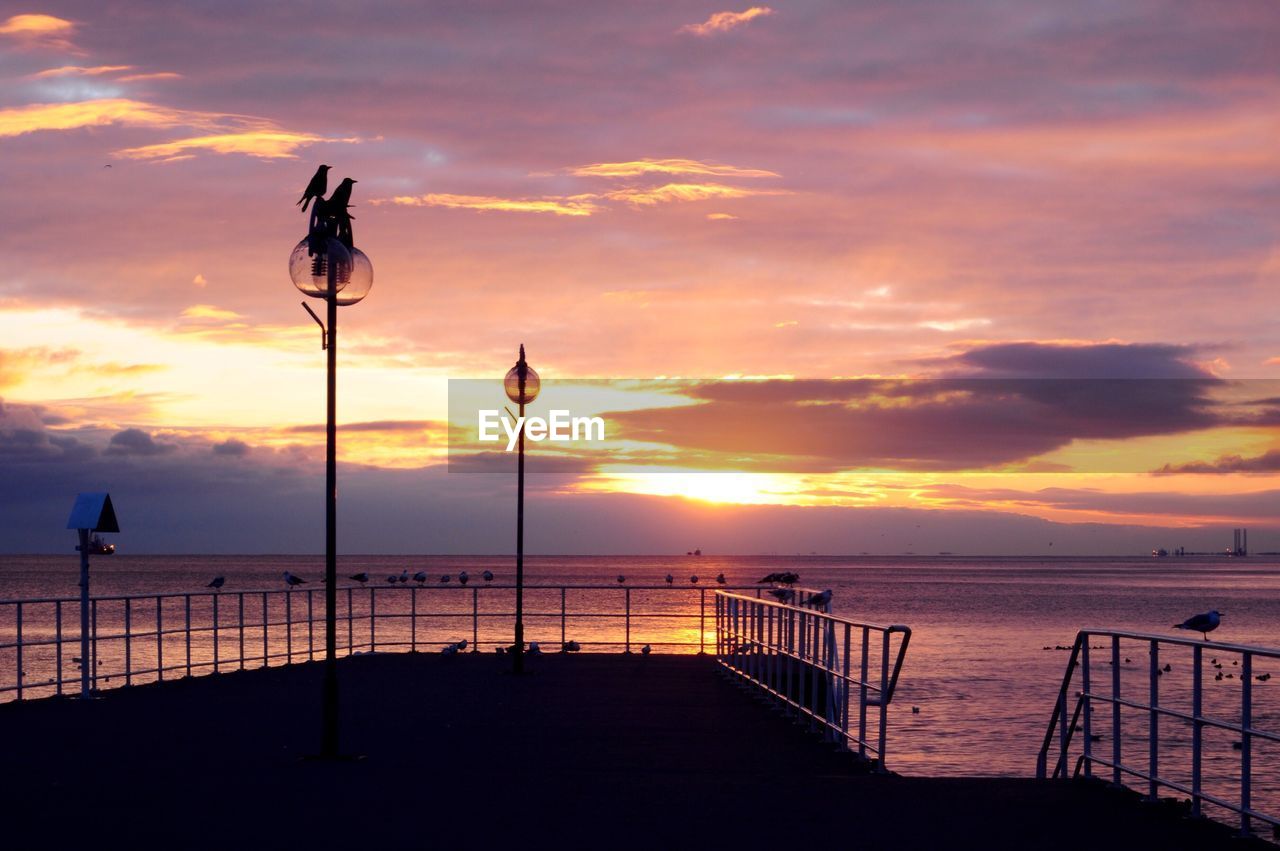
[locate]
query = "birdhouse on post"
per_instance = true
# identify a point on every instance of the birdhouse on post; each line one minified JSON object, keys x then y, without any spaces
{"x":92,"y":513}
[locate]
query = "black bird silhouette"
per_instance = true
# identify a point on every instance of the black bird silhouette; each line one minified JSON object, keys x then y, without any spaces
{"x":317,"y":187}
{"x":217,"y":583}
{"x":341,"y":197}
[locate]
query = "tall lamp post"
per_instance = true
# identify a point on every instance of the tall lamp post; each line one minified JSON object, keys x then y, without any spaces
{"x":522,"y":386}
{"x":327,"y":265}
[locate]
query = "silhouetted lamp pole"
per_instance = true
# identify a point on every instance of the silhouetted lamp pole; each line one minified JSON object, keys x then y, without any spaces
{"x":522,"y":387}
{"x":326,"y":264}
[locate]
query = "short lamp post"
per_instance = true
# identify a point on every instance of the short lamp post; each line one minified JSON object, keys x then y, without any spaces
{"x":327,"y":265}
{"x":521,"y":385}
{"x":92,"y":513}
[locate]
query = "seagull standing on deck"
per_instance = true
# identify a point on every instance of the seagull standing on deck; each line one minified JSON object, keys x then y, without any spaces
{"x":217,"y":583}
{"x":1203,"y":623}
{"x":291,"y":580}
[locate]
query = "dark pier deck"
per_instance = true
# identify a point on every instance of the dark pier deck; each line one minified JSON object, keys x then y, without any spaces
{"x":599,"y":751}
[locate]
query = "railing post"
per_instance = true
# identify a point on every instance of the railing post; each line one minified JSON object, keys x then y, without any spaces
{"x":187,"y":600}
{"x":288,"y":627}
{"x":373,"y":621}
{"x":240,"y":606}
{"x":1246,"y":742}
{"x":350,"y":623}
{"x":1088,"y":708}
{"x":311,"y":623}
{"x":128,"y":641}
{"x":1197,"y":728}
{"x":215,"y":633}
{"x":563,"y":606}
{"x":93,"y":645}
{"x":884,"y":703}
{"x":266,"y":655}
{"x":57,"y":614}
{"x":862,"y":692}
{"x":1153,"y":731}
{"x":475,"y":619}
{"x":844,"y":703}
{"x":159,"y":638}
{"x":628,"y":619}
{"x":1115,"y":710}
{"x":413,"y":620}
{"x":702,"y":621}
{"x":19,"y":648}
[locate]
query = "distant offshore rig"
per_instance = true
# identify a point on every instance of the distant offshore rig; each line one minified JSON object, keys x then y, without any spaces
{"x":1239,"y":547}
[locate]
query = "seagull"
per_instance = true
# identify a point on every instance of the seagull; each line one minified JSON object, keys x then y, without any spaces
{"x":646,"y":650}
{"x":571,"y":647}
{"x":693,"y":579}
{"x":534,"y":649}
{"x":463,"y":577}
{"x":391,"y":580}
{"x":362,"y":578}
{"x":217,"y":583}
{"x":487,"y":576}
{"x":820,"y":600}
{"x":783,"y":595}
{"x":404,"y":576}
{"x":720,"y":578}
{"x":316,"y":188}
{"x":1203,"y":623}
{"x":670,"y":579}
{"x":449,"y":649}
{"x":420,"y":577}
{"x":291,"y":580}
{"x":444,"y":578}
{"x":621,"y":579}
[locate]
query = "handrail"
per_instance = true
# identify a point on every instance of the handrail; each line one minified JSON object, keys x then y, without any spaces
{"x":149,"y":636}
{"x":1087,"y":695}
{"x":802,"y":657}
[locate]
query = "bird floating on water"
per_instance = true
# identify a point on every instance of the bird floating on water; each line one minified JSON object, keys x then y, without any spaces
{"x":487,"y":576}
{"x":362,"y":578}
{"x":217,"y":583}
{"x":463,"y":577}
{"x":1203,"y":623}
{"x":420,"y":577}
{"x":293,"y":581}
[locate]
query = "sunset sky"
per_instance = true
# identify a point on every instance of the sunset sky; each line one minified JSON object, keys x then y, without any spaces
{"x":975,"y":198}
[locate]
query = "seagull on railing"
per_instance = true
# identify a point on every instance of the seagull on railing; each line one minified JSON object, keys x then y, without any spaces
{"x":783,"y":595}
{"x":404,"y":576}
{"x":693,"y":579}
{"x":420,"y":577}
{"x":621,"y":579}
{"x":362,"y":578}
{"x":292,"y":581}
{"x":444,"y":578}
{"x":670,"y":579}
{"x":392,"y":579}
{"x":646,"y":650}
{"x":819,"y":601}
{"x":534,"y":649}
{"x":463,"y":577}
{"x":217,"y":583}
{"x":787,"y":578}
{"x":487,"y":576}
{"x":571,"y":647}
{"x":720,"y":578}
{"x":1203,"y":623}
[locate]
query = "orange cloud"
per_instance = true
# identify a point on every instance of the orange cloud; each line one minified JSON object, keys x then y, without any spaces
{"x":157,"y":75}
{"x":225,"y":134}
{"x":578,"y":205}
{"x":667,"y":166}
{"x":682,"y":192}
{"x":725,"y":21}
{"x":80,"y":71}
{"x":40,"y":30}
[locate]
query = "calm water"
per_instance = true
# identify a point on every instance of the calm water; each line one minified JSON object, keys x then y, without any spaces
{"x":977,"y":668}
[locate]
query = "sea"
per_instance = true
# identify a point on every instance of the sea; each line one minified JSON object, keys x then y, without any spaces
{"x":989,"y":645}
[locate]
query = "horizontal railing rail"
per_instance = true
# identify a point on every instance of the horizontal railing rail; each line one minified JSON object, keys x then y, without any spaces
{"x":1070,"y":715}
{"x":143,"y":638}
{"x":816,"y":664}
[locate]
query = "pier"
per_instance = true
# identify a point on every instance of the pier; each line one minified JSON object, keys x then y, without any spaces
{"x":599,"y":750}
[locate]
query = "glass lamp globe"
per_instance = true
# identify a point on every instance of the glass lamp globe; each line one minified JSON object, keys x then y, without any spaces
{"x":359,"y":281}
{"x":310,"y":272}
{"x":512,"y":385}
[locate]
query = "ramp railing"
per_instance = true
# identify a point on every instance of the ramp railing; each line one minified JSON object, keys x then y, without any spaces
{"x":816,"y":664}
{"x":1156,"y":689}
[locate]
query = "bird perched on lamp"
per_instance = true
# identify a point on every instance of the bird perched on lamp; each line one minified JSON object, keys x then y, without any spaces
{"x":316,"y":188}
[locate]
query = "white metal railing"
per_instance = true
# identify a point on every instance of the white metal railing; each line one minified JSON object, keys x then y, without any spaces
{"x":1148,"y":768}
{"x":150,"y":637}
{"x":815,"y":663}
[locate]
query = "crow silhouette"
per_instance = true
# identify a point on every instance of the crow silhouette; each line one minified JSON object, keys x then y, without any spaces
{"x":316,"y":188}
{"x":341,"y":198}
